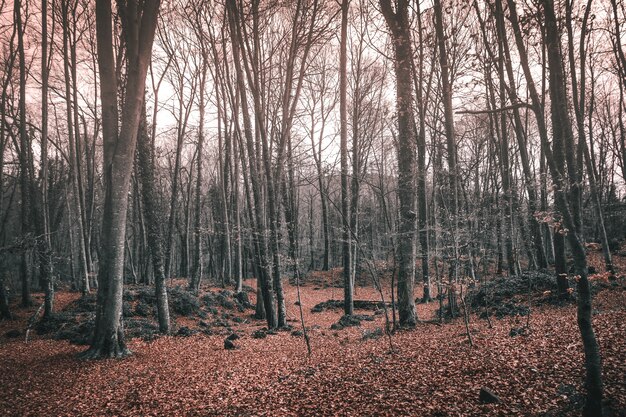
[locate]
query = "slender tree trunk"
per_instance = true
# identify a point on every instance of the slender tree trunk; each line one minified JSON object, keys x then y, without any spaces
{"x":564,"y":148}
{"x":317,"y":156}
{"x":579,"y":111}
{"x":44,"y":245}
{"x":422,"y":201}
{"x":5,"y":310}
{"x":537,"y":107}
{"x":348,"y":287}
{"x":71,"y":131}
{"x":238,"y":262}
{"x":451,"y":149}
{"x":78,"y":154}
{"x":24,"y":144}
{"x":535,"y":227}
{"x":169,"y":243}
{"x":153,"y":223}
{"x":197,"y":232}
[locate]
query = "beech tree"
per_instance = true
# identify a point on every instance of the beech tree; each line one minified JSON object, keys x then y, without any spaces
{"x":348,"y":284}
{"x":398,"y":24}
{"x":139,"y":25}
{"x":451,"y":148}
{"x":564,"y":149}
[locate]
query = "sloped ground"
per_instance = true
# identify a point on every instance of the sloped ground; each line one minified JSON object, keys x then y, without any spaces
{"x":215,"y":311}
{"x":431,"y":370}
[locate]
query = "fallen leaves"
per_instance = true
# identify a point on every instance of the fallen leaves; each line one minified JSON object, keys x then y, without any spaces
{"x":431,"y":371}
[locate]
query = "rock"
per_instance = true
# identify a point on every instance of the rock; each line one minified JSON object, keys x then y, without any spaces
{"x":372,"y":334}
{"x":358,"y":304}
{"x":229,"y":345}
{"x":566,"y":389}
{"x":233,"y":336}
{"x":349,"y":321}
{"x":259,"y":334}
{"x":225,"y":302}
{"x":487,"y":396}
{"x":13,"y":333}
{"x":243,"y":299}
{"x":517,"y":331}
{"x":500,"y":296}
{"x":185,"y":332}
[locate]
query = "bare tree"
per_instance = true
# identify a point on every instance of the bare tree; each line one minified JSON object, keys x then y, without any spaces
{"x":153,"y":222}
{"x":348,"y":285}
{"x":398,"y":24}
{"x":564,"y":149}
{"x":119,"y":150}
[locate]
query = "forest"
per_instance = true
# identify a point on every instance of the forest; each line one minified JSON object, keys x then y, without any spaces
{"x":313,"y":207}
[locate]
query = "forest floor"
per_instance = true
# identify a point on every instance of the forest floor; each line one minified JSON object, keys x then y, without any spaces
{"x":429,"y":371}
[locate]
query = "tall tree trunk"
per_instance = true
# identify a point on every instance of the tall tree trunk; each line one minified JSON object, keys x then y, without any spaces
{"x":348,"y":287}
{"x":398,"y":23}
{"x":259,"y":232}
{"x":451,"y":148}
{"x":119,"y":151}
{"x":564,"y":148}
{"x":197,"y":232}
{"x":24,"y":147}
{"x":579,"y":111}
{"x":238,"y":261}
{"x":169,"y":239}
{"x":71,"y":132}
{"x":537,"y":108}
{"x":533,"y":203}
{"x":621,"y":59}
{"x":44,"y":244}
{"x":317,"y":157}
{"x":78,"y":154}
{"x":153,"y":223}
{"x":422,"y":201}
{"x":505,"y":165}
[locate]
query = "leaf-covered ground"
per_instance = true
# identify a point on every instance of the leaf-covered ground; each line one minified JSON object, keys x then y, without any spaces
{"x":429,"y":371}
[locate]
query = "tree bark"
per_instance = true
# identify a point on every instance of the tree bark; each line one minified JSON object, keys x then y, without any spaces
{"x":259,"y":232}
{"x":153,"y":223}
{"x":564,"y":148}
{"x":24,"y":155}
{"x":348,"y":286}
{"x":119,"y":152}
{"x":74,"y":173}
{"x":537,"y":108}
{"x":451,"y":150}
{"x":44,"y":244}
{"x":398,"y":23}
